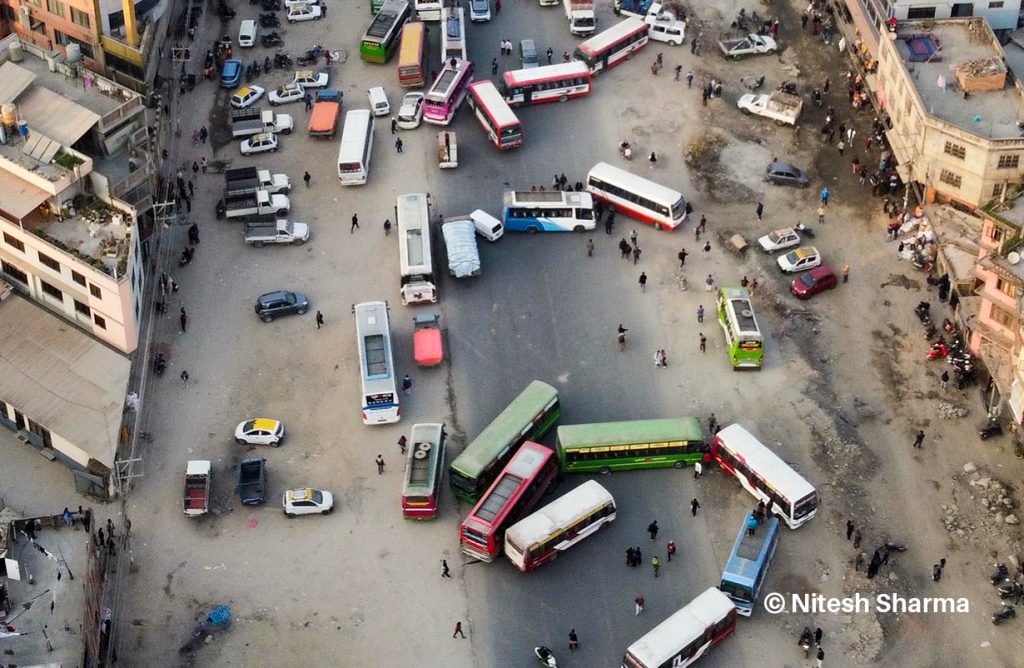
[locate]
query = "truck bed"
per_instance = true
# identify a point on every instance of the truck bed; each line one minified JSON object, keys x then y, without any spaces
{"x":195,"y":498}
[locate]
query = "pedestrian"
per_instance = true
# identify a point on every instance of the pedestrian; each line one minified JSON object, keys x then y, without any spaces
{"x":682,"y":257}
{"x":849,"y":529}
{"x":445,"y":571}
{"x":636,"y":255}
{"x":590,"y":248}
{"x":744,"y":282}
{"x":700,"y":313}
{"x":183,"y":318}
{"x":698,"y":471}
{"x":633,"y":237}
{"x":355,"y":223}
{"x":110,"y":526}
{"x":625,"y":249}
{"x":709,"y":283}
{"x":689,"y":78}
{"x":574,"y":641}
{"x":402,"y":443}
{"x":639,"y":601}
{"x":195,"y":169}
{"x":652,"y":529}
{"x":664,"y":358}
{"x":406,"y":385}
{"x":643,"y":281}
{"x":919,"y":439}
{"x":679,"y":71}
{"x":638,"y":556}
{"x":850,"y":134}
{"x":759,"y":210}
{"x":458,"y":630}
{"x":565,"y":56}
{"x":944,"y":380}
{"x":656,"y":564}
{"x":550,"y":53}
{"x":494,"y":66}
{"x":937,"y":569}
{"x":319,"y":319}
{"x":110,"y":548}
{"x":398,"y":145}
{"x":306,"y":178}
{"x":703,"y":343}
{"x":694,"y":507}
{"x":653,"y":160}
{"x":191,"y":188}
{"x":846,"y":273}
{"x":821,"y":215}
{"x":821,"y":656}
{"x":856,"y":538}
{"x":307,"y":99}
{"x":670,"y":549}
{"x":712,"y":422}
{"x":195,"y":137}
{"x":394,"y":126}
{"x":203,"y":134}
{"x":817,"y":636}
{"x":630,"y":556}
{"x":841,"y":146}
{"x":193,"y":234}
{"x":67,"y":517}
{"x":204,"y":162}
{"x":825,"y":86}
{"x":751,"y":525}
{"x":824,"y":194}
{"x":184,"y":377}
{"x":899,"y":251}
{"x":707,"y":246}
{"x":380,"y":464}
{"x":703,"y":223}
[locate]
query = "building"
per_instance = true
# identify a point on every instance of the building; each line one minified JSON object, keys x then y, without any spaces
{"x":73,"y":191}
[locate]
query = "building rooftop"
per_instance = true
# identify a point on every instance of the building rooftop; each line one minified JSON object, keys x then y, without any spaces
{"x":98,"y":232}
{"x":931,"y":51}
{"x":83,"y":91}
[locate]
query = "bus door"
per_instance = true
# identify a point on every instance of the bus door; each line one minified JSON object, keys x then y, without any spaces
{"x":527,"y":94}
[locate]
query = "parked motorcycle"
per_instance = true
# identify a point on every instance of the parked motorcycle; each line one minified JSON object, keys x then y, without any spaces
{"x":1001,"y":574}
{"x":545,"y":656}
{"x":992,"y":428}
{"x":1012,"y":590}
{"x":804,"y":230}
{"x":271,"y":40}
{"x":159,"y":364}
{"x":923,"y":310}
{"x":186,"y":257}
{"x":269,"y":21}
{"x":816,"y":97}
{"x":938,"y":351}
{"x":787,"y":87}
{"x":282,"y":61}
{"x":1004,"y":613}
{"x":271,"y":5}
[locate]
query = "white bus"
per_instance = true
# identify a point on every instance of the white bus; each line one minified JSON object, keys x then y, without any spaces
{"x":765,"y":475}
{"x":636,"y":196}
{"x":548,"y":211}
{"x":453,"y":34}
{"x":538,"y":538}
{"x":356,"y":146}
{"x":415,"y":259}
{"x":376,"y":364}
{"x":685,"y":636}
{"x":428,"y":10}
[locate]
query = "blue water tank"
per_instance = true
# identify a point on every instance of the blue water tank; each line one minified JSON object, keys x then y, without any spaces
{"x":23,"y":128}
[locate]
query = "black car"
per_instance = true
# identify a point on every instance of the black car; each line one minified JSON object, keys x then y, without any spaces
{"x":784,"y":174}
{"x":281,"y":302}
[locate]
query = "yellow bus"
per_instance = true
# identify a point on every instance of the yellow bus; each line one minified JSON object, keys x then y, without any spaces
{"x":411,"y":55}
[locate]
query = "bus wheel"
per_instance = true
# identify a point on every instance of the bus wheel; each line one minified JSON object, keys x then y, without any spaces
{"x":563,"y":98}
{"x":679,"y":465}
{"x":605,"y":470}
{"x":532,"y":229}
{"x":578,"y":228}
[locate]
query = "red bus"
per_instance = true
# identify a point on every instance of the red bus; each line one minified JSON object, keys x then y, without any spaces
{"x":514,"y":493}
{"x":611,"y":47}
{"x":497,"y":119}
{"x":551,"y":83}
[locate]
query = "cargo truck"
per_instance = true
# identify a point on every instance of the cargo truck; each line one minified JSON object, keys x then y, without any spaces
{"x":580,"y":14}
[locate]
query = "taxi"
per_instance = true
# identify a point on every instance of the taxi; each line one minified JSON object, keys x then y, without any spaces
{"x":286,"y":94}
{"x":260,"y":431}
{"x":246,"y":97}
{"x":310,"y":78}
{"x":778,"y":240}
{"x":261,"y":143}
{"x":307,"y":501}
{"x":801,"y":259}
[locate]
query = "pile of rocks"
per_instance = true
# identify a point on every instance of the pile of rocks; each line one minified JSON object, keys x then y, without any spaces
{"x":992,"y":494}
{"x":948,"y":411}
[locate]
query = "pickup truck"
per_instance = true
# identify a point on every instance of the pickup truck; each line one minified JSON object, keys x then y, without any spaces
{"x":280,"y":231}
{"x":460,"y":242}
{"x":749,"y":45}
{"x":580,"y":14}
{"x":260,"y":203}
{"x":267,"y":121}
{"x":197,"y":487}
{"x":781,"y":107}
{"x":247,"y":180}
{"x":252,"y":481}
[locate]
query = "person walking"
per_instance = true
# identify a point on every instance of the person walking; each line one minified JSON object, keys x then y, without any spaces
{"x":458,"y":630}
{"x":406,"y":385}
{"x":633,"y":237}
{"x":203,"y":134}
{"x":849,"y":529}
{"x":694,"y":507}
{"x":183,"y":318}
{"x":856,"y":538}
{"x":445,"y":571}
{"x":574,"y":641}
{"x":643,"y":281}
{"x":639,"y":601}
{"x":204,"y":163}
{"x":191,"y":189}
{"x":689,"y":78}
{"x":306,"y":178}
{"x":820,"y":657}
{"x":817,"y":637}
{"x":824,"y":194}
{"x":625,"y":249}
{"x":700,"y":313}
{"x":638,"y":556}
{"x":937,"y":569}
{"x":841,"y":146}
{"x":821,"y":215}
{"x":653,"y":160}
{"x":698,"y":470}
{"x":398,"y":145}
{"x":944,"y":380}
{"x":319,"y":319}
{"x":380,"y":464}
{"x":919,"y":439}
{"x":703,"y":343}
{"x":682,"y":257}
{"x":590,"y":248}
{"x":355,"y":223}
{"x":551,"y":53}
{"x":656,"y":564}
{"x":394,"y":125}
{"x":670,"y":549}
{"x":664,"y":358}
{"x":184,"y":377}
{"x":494,"y":66}
{"x":846,"y":273}
{"x":759,"y":210}
{"x":630,"y":556}
{"x":679,"y":71}
{"x":387,"y":227}
{"x":652,"y":529}
{"x":402,"y":443}
{"x":636,"y":254}
{"x":709,"y":283}
{"x":707,"y":246}
{"x":751,"y":525}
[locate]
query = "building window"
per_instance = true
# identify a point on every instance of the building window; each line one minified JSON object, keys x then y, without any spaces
{"x":997,"y":190}
{"x":100,"y":321}
{"x":920,"y":13}
{"x":95,"y":292}
{"x":996,"y":5}
{"x":1006,"y":287}
{"x":14,"y":243}
{"x":955,"y":150}
{"x":79,"y":17}
{"x":1009,"y":161}
{"x":13,"y":272}
{"x":55,"y":7}
{"x":996,"y":234}
{"x":49,"y":262}
{"x":949,"y":177}
{"x":82,"y":308}
{"x":1004,"y":318}
{"x":77,"y":278}
{"x":52,"y":291}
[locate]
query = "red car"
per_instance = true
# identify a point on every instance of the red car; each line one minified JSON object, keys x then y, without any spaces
{"x":810,"y":283}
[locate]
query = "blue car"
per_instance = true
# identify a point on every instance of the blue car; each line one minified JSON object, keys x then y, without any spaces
{"x":231,"y":73}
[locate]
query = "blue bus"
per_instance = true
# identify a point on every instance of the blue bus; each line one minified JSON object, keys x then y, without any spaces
{"x":548,"y":211}
{"x":748,"y":563}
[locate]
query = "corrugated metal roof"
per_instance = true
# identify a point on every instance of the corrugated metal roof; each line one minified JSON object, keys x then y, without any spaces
{"x":19,"y":198}
{"x":56,"y":116}
{"x":62,"y":378}
{"x":13,"y":81}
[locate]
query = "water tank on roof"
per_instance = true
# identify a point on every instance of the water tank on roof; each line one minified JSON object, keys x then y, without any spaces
{"x":23,"y":128}
{"x":74,"y":52}
{"x":8,"y":114}
{"x":16,"y":51}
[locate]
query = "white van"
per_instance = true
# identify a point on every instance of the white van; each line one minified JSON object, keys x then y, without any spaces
{"x":486,"y":225}
{"x":479,"y":10}
{"x":379,"y":101}
{"x":247,"y":33}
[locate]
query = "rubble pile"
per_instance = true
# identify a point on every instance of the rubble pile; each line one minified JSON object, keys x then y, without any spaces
{"x":948,"y":411}
{"x":992,"y":495}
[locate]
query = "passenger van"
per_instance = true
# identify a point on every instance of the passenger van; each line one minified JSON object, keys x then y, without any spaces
{"x":479,"y":10}
{"x":247,"y":33}
{"x":528,"y":54}
{"x":487,"y":226}
{"x":379,"y":101}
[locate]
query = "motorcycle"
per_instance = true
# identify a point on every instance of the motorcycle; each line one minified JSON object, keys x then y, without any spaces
{"x":938,"y":351}
{"x":545,"y":656}
{"x":159,"y":364}
{"x":1001,"y":615}
{"x":271,"y":5}
{"x":267,"y":64}
{"x":269,"y":21}
{"x":804,"y":230}
{"x":271,"y":40}
{"x":806,"y":641}
{"x":221,"y":209}
{"x":282,"y":61}
{"x":816,"y":97}
{"x":1001,"y":574}
{"x":787,"y":87}
{"x":1012,"y":590}
{"x":894,"y":547}
{"x":186,"y":257}
{"x":922,"y":310}
{"x":993,"y":428}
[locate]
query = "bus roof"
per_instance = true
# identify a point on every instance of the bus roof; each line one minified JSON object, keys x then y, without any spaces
{"x":738,"y":301}
{"x":744,"y":562}
{"x":638,"y":184}
{"x":529,"y":459}
{"x":542,"y":197}
{"x":413,"y":233}
{"x":385,"y":19}
{"x":663,"y":641}
{"x":603,"y":40}
{"x":557,"y":71}
{"x":420,"y":471}
{"x":374,"y":345}
{"x":412,"y":44}
{"x":765,"y":463}
{"x":630,"y":431}
{"x":439,"y":90}
{"x":493,"y":103}
{"x":495,"y":437}
{"x":560,"y":512}
{"x":353,"y":135}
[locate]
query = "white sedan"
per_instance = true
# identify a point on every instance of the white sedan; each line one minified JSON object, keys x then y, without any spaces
{"x":261,"y":143}
{"x":305,"y":12}
{"x":246,"y":97}
{"x":411,"y":111}
{"x":778,"y":240}
{"x":286,"y":94}
{"x":260,"y":431}
{"x":801,"y":259}
{"x":310,"y":79}
{"x":307,"y":501}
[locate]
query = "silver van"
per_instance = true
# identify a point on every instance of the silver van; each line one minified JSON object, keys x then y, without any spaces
{"x":379,"y":104}
{"x":486,"y":225}
{"x":528,"y":54}
{"x":247,"y":33}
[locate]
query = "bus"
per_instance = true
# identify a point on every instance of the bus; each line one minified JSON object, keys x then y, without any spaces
{"x":551,"y":83}
{"x":527,"y":418}
{"x":537,"y":539}
{"x":514,"y":493}
{"x":765,"y":475}
{"x":634,"y":444}
{"x":375,"y":6}
{"x":453,"y":34}
{"x":748,"y":563}
{"x":356,"y":146}
{"x":685,"y":636}
{"x":424,"y":469}
{"x":376,"y":363}
{"x":411,"y":55}
{"x":495,"y":116}
{"x":447,"y":92}
{"x":428,"y":10}
{"x":636,"y":196}
{"x":381,"y":39}
{"x":415,"y":260}
{"x":742,"y":335}
{"x":607,"y":49}
{"x":548,"y":211}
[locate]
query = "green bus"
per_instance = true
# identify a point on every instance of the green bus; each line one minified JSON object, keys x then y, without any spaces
{"x":743,"y":337}
{"x":527,"y":418}
{"x":635,"y":444}
{"x":382,"y":37}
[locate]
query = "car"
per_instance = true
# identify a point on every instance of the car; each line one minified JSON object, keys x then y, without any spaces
{"x":479,"y":10}
{"x":280,"y":302}
{"x":260,"y":431}
{"x":246,"y":97}
{"x":378,"y":99}
{"x":261,"y":143}
{"x":291,"y":3}
{"x":310,"y":78}
{"x":810,"y":283}
{"x":305,"y":12}
{"x":411,"y":111}
{"x":778,"y":240}
{"x":286,"y":94}
{"x":528,"y":54}
{"x":307,"y":501}
{"x":784,"y":174}
{"x":801,"y":259}
{"x":231,"y":73}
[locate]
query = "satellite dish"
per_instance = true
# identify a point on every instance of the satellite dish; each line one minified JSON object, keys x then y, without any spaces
{"x":1013,"y":257}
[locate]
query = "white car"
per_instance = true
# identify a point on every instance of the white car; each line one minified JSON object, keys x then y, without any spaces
{"x":778,"y":240}
{"x":286,"y":94}
{"x":307,"y":501}
{"x":411,"y":111}
{"x":291,"y":3}
{"x":260,"y":431}
{"x":246,"y":97}
{"x":310,"y":78}
{"x":261,"y":143}
{"x":801,"y":259}
{"x":305,"y":12}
